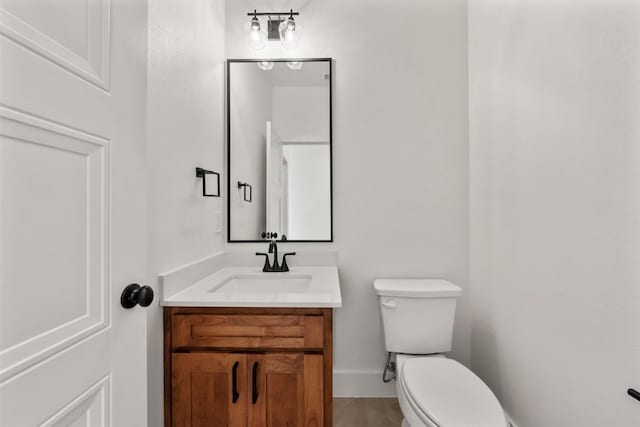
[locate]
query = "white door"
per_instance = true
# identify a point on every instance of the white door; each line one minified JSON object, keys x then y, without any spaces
{"x":284,"y":199}
{"x":72,"y":212}
{"x":274,"y":185}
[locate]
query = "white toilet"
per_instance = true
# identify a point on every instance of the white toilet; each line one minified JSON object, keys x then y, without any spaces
{"x":433,"y":391}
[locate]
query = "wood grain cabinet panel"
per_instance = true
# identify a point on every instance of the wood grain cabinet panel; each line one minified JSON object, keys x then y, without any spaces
{"x":289,"y":390}
{"x":247,"y":331}
{"x":203,"y":391}
{"x":282,"y":359}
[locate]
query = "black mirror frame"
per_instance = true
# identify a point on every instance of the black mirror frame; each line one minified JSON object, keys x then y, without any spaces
{"x":228,"y":172}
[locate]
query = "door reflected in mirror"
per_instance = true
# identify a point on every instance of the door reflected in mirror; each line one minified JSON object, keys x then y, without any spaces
{"x":279,"y":143}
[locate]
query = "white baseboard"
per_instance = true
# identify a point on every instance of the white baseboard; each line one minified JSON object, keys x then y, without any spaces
{"x":361,"y":384}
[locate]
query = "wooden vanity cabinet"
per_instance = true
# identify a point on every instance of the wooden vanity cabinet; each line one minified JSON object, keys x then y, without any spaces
{"x":248,"y":367}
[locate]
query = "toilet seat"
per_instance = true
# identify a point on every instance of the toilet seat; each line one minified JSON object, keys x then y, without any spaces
{"x":413,"y":415}
{"x":444,"y":393}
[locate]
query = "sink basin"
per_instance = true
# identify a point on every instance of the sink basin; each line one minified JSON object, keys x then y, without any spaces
{"x":267,"y":283}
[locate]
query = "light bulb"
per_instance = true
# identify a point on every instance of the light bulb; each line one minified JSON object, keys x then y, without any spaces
{"x":289,"y":33}
{"x":256,"y":36}
{"x":265,"y":65}
{"x":291,"y":24}
{"x":255,"y":24}
{"x":294,"y":65}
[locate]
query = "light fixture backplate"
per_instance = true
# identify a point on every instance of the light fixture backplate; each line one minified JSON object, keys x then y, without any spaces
{"x":273,"y":32}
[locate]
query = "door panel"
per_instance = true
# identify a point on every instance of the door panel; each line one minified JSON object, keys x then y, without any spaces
{"x":313,"y":387}
{"x":209,"y":405}
{"x":202,"y":390}
{"x":71,"y":34}
{"x":88,"y":410}
{"x":256,"y":407}
{"x":292,"y":385}
{"x":47,"y":393}
{"x":72,"y":212}
{"x":44,"y":165}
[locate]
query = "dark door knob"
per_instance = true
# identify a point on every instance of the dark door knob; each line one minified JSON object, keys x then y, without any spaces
{"x":135,"y":294}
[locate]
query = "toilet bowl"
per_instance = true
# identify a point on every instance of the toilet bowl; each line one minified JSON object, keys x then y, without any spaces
{"x":440,"y":392}
{"x":433,"y":391}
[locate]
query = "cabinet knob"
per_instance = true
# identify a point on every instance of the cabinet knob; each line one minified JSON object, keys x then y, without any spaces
{"x":135,"y":294}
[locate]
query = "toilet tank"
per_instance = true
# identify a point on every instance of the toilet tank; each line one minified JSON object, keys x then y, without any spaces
{"x":417,"y":314}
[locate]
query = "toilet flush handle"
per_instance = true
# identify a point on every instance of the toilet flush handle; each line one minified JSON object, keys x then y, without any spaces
{"x":389,"y":303}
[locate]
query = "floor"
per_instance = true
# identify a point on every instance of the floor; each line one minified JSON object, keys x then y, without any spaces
{"x":355,"y":412}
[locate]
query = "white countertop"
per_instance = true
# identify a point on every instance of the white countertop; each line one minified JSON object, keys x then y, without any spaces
{"x":323,"y":290}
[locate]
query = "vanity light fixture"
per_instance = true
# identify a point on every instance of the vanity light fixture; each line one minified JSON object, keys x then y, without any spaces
{"x":289,"y":33}
{"x":294,"y":65}
{"x":265,"y":65}
{"x":257,"y":36}
{"x":280,"y":26}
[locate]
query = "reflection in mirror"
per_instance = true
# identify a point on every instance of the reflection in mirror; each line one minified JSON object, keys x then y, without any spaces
{"x":279,"y":119}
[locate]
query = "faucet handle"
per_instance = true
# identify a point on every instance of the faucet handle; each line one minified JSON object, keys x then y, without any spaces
{"x":284,"y":266}
{"x":266,"y":267}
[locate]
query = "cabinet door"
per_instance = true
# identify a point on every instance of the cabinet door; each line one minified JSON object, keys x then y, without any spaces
{"x":209,"y":389}
{"x":287,"y":391}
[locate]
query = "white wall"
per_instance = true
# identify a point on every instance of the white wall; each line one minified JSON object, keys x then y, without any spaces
{"x":400,"y":155}
{"x":185,"y":130}
{"x":555,"y":208}
{"x":251,"y":108}
{"x":301,"y":113}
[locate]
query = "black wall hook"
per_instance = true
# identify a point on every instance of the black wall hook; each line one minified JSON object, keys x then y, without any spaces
{"x":202,"y":173}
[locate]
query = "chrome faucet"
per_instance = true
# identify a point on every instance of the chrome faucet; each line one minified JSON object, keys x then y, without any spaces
{"x":274,"y":267}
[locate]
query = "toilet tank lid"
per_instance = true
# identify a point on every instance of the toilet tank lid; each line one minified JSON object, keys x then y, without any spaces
{"x":416,"y":288}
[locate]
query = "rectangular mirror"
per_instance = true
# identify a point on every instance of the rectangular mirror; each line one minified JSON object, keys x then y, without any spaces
{"x":279,"y":150}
